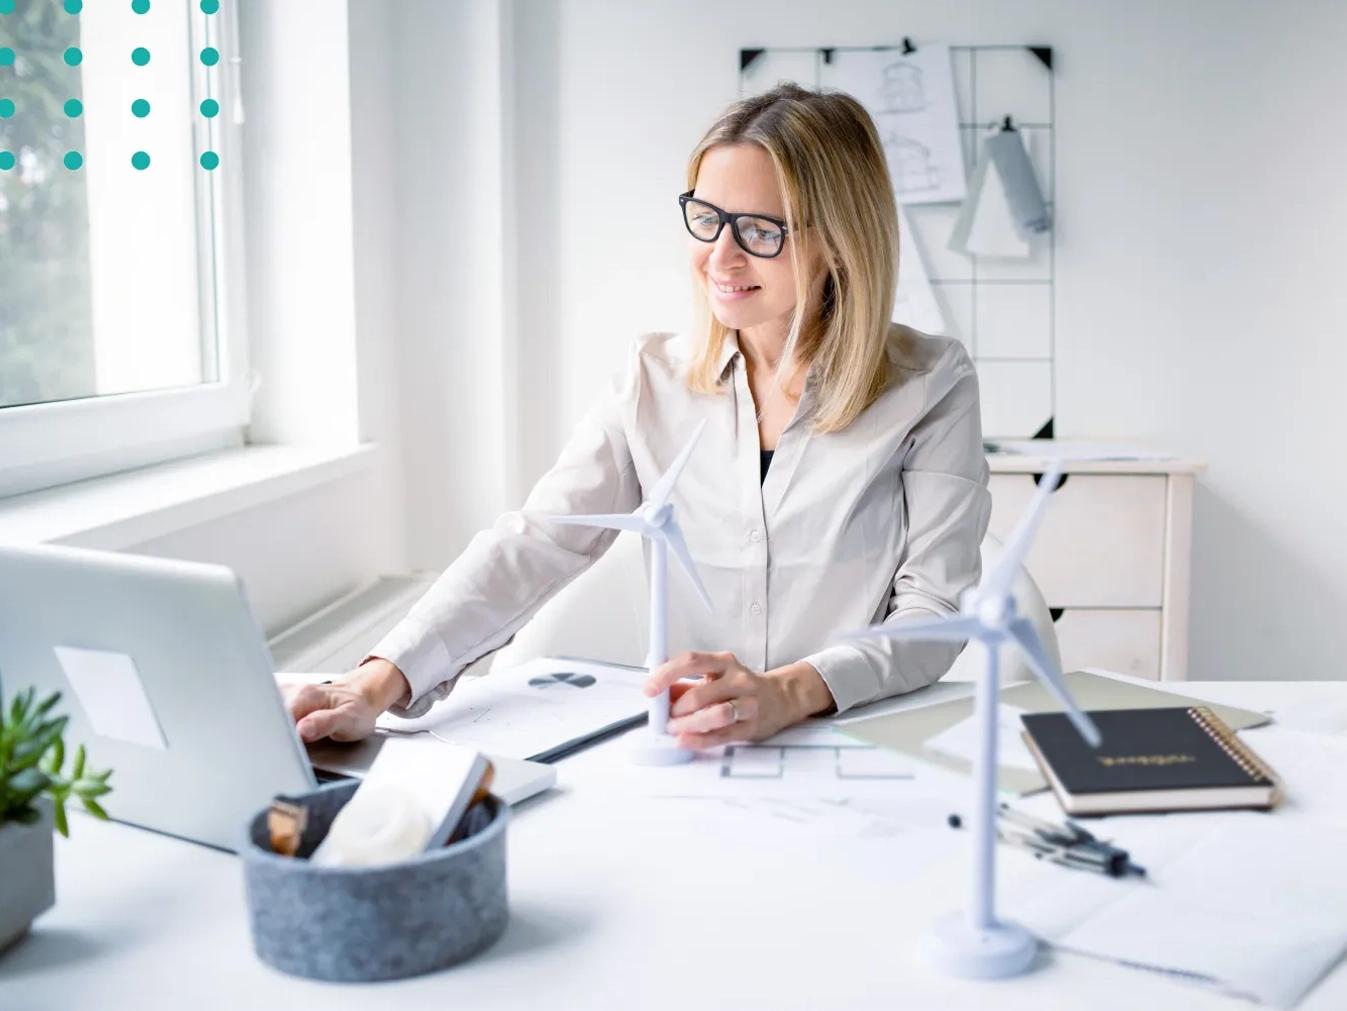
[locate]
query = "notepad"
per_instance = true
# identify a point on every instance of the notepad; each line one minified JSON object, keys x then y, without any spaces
{"x":1173,"y":759}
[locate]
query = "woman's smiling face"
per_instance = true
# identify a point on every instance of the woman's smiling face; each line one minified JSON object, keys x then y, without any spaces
{"x":744,"y":290}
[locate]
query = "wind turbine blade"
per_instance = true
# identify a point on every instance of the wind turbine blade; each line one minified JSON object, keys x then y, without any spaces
{"x":956,"y":628}
{"x":997,"y":583}
{"x":665,"y":485}
{"x":673,"y":536}
{"x":613,"y":521}
{"x":1022,"y":632}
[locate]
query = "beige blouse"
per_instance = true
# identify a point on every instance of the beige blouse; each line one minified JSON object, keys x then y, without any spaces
{"x":879,"y":522}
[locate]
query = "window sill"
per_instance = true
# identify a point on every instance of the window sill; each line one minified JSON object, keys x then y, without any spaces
{"x":122,"y":510}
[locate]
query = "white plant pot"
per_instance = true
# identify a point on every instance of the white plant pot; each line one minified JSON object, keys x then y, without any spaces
{"x":27,"y":881}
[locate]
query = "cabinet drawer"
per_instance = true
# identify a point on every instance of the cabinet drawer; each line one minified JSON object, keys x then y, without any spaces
{"x":1101,"y":542}
{"x":1127,"y":641}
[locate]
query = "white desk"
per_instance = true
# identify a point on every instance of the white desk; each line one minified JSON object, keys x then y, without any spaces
{"x":146,"y":921}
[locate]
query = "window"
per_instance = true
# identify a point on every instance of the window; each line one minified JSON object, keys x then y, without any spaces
{"x":121,"y":330}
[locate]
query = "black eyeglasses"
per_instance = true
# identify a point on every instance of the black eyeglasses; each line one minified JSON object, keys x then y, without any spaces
{"x":757,"y":234}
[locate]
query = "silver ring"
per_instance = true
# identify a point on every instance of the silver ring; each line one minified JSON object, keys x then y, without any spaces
{"x":734,"y":711}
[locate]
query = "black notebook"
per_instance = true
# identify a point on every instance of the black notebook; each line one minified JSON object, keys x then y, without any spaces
{"x":1174,"y":759}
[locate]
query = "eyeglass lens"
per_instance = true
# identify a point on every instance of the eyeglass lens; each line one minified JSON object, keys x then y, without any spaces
{"x":757,"y":235}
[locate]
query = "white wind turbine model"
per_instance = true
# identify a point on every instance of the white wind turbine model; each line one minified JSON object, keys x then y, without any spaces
{"x":975,"y":943}
{"x":654,"y":520}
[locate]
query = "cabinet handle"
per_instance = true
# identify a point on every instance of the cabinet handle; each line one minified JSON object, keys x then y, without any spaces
{"x":1038,"y":479}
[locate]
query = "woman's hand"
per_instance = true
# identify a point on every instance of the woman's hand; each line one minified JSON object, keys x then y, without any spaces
{"x":733,"y":703}
{"x":346,"y":709}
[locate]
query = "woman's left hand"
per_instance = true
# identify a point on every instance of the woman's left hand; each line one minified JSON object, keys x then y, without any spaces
{"x":733,"y":703}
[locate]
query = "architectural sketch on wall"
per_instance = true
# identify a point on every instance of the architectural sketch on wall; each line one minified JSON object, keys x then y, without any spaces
{"x":911,"y":166}
{"x":1002,"y":309}
{"x":911,"y":97}
{"x":902,"y":88}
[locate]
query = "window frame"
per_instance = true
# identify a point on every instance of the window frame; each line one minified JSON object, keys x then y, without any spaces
{"x":50,"y":444}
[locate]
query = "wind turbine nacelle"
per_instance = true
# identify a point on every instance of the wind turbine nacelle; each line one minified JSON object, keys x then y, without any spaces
{"x":995,"y":612}
{"x":658,"y":515}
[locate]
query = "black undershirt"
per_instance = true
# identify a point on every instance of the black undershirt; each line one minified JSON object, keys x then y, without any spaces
{"x":766,"y":455}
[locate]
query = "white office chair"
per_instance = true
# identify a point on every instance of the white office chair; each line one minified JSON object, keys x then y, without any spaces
{"x":602,"y":614}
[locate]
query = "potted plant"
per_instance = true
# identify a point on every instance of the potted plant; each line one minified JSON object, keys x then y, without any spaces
{"x":33,"y":794}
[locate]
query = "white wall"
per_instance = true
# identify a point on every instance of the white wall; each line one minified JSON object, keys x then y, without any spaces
{"x":1201,"y":240}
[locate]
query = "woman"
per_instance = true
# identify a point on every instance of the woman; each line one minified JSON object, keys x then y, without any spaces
{"x":840,"y":480}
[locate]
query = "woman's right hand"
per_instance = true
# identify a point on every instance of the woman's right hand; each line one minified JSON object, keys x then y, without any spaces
{"x":346,"y":709}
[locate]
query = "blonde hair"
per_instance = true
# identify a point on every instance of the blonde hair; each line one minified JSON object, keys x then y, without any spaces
{"x":833,"y":177}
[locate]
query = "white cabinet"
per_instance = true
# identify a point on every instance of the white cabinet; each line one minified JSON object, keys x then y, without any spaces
{"x":1112,"y":558}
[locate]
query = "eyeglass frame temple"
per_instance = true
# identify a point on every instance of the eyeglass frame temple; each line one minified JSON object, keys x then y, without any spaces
{"x":726,"y":218}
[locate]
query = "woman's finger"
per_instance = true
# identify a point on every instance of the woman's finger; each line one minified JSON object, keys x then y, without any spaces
{"x":307,"y":699}
{"x":708,"y":693}
{"x":715,"y":717}
{"x":687,"y":665}
{"x":318,"y":724}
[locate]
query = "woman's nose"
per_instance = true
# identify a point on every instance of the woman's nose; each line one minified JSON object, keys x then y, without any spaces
{"x":725,"y":251}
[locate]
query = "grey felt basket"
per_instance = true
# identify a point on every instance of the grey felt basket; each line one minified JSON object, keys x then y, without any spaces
{"x":369,"y":923}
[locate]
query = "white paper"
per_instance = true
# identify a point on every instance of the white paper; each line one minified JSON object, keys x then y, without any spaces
{"x":911,"y":99}
{"x":110,"y":690}
{"x":964,"y":740}
{"x":1245,"y":903}
{"x":531,"y":708}
{"x":914,"y":303}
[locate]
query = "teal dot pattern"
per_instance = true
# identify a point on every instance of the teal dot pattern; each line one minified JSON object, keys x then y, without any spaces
{"x":6,"y":161}
{"x":209,"y":160}
{"x":6,"y":56}
{"x":73,"y":56}
{"x":73,"y":160}
{"x":140,"y":160}
{"x":6,"y":108}
{"x":140,"y":6}
{"x":210,"y":108}
{"x":74,"y":6}
{"x":7,"y":6}
{"x":140,"y":56}
{"x":74,"y":107}
{"x":210,"y":6}
{"x":210,"y":56}
{"x":140,"y":108}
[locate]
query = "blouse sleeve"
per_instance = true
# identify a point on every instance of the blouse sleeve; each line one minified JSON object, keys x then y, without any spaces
{"x":508,"y":571}
{"x":948,"y":506}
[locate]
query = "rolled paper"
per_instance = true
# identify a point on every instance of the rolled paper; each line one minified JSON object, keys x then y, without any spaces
{"x":1023,"y":194}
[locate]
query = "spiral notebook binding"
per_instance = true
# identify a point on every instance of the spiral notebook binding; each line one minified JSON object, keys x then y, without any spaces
{"x":1219,"y":731}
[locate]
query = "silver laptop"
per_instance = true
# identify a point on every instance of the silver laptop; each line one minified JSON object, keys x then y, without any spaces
{"x":167,"y":680}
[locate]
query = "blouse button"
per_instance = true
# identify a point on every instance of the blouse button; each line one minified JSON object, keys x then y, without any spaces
{"x":756,"y":535}
{"x":755,"y":607}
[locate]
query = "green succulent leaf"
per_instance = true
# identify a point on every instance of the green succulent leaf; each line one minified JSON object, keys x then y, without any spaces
{"x":29,"y":780}
{"x":95,"y":808}
{"x":56,"y":756}
{"x":47,"y":704}
{"x":58,"y":810}
{"x":32,"y":756}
